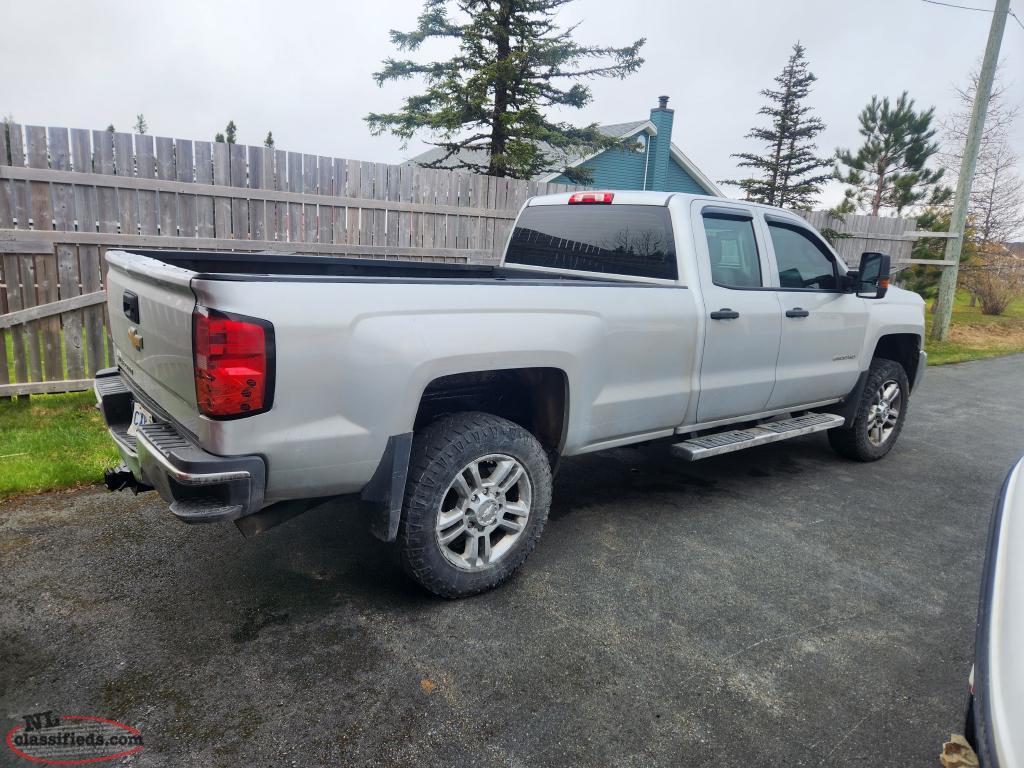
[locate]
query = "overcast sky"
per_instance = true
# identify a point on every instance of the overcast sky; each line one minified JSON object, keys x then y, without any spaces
{"x":303,"y":69}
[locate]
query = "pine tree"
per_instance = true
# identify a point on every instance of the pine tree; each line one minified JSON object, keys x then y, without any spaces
{"x":790,"y":167}
{"x":484,"y":107}
{"x":229,"y":135}
{"x":141,"y":126}
{"x":269,"y":141}
{"x":8,"y":121}
{"x":890,"y":170}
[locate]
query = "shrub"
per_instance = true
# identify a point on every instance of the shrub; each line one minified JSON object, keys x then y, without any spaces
{"x":996,"y":278}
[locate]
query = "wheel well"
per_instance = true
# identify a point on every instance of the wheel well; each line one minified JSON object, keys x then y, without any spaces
{"x":903,"y":348}
{"x":535,"y":398}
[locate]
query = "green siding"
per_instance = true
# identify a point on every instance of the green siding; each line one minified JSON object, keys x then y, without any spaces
{"x":681,"y":181}
{"x":615,"y":169}
{"x":623,"y":169}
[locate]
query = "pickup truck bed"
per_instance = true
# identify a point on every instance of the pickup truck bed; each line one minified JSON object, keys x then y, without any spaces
{"x":286,"y":266}
{"x":360,"y":344}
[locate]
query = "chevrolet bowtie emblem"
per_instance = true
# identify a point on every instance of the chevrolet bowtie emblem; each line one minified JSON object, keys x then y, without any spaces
{"x":135,"y":338}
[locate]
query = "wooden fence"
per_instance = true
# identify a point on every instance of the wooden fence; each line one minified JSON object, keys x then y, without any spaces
{"x":859,"y":233}
{"x":68,"y":196}
{"x":867,"y":233}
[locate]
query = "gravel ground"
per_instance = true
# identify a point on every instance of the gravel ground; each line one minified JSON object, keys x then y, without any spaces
{"x":779,"y":606}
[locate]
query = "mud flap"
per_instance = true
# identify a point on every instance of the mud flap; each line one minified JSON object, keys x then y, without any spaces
{"x":386,"y":490}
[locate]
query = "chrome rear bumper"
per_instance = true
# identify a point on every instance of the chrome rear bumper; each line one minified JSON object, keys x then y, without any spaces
{"x":199,"y":486}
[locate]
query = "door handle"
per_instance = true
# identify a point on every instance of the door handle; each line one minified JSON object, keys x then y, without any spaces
{"x":725,"y":314}
{"x":797,"y":312}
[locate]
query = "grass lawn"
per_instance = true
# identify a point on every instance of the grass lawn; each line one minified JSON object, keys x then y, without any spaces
{"x":973,"y":335}
{"x":48,"y":442}
{"x":52,"y":441}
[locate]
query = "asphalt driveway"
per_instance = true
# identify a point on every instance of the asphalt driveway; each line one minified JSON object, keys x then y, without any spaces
{"x":779,"y":606}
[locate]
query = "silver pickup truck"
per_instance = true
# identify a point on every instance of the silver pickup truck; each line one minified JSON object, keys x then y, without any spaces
{"x":250,"y":386}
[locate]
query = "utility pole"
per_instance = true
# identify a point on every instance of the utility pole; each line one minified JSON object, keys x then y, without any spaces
{"x":958,"y":221}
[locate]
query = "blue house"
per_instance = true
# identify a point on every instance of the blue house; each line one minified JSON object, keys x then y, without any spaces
{"x":646,"y":158}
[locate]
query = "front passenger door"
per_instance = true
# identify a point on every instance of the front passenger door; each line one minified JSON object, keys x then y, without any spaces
{"x":743,"y":325}
{"x":823,"y":328}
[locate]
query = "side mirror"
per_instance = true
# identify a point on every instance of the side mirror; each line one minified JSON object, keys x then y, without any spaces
{"x":872,"y":280}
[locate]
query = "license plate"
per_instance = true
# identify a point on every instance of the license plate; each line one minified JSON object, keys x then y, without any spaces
{"x":140,"y":416}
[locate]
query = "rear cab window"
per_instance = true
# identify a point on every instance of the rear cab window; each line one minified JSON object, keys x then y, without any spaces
{"x":732,"y":249}
{"x":628,"y":240}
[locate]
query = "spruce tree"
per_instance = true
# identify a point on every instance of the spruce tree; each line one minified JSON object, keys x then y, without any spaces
{"x":8,"y":121}
{"x":141,"y":126}
{"x":789,"y":169}
{"x":269,"y":141}
{"x":890,"y":170}
{"x":484,"y":107}
{"x":229,"y":135}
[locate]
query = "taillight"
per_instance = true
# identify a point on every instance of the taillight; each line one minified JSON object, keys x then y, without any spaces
{"x":233,"y":358}
{"x":589,"y":198}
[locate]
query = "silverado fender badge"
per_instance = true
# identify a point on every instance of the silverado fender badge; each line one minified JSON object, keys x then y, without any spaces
{"x":834,"y":359}
{"x":135,"y":338}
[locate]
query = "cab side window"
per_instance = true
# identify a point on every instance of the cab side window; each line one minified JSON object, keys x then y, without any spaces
{"x":804,"y":262}
{"x":732,"y":248}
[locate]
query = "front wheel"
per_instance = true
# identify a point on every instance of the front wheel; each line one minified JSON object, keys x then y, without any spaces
{"x":476,"y":501}
{"x":879,"y":417}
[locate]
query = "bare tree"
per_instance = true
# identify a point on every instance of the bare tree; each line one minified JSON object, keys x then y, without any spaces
{"x":997,"y":195}
{"x":996,"y":207}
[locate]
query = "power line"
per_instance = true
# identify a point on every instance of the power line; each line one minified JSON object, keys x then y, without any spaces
{"x":962,"y":7}
{"x":973,"y":8}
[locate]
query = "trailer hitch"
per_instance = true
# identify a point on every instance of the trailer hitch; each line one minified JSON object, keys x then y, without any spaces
{"x":120,"y":477}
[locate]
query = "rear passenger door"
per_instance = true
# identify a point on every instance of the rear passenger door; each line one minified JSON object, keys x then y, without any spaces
{"x":743,"y":323}
{"x":823,"y":327}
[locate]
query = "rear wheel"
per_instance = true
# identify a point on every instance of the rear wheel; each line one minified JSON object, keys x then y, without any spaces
{"x":879,"y":417}
{"x":476,"y":502}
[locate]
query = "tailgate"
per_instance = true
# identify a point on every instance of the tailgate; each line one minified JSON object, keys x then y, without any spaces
{"x":150,"y":305}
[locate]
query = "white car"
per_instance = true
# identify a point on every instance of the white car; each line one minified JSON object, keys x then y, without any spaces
{"x":995,"y":710}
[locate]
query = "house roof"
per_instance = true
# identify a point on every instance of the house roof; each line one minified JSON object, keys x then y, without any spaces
{"x":617,"y":130}
{"x":559,"y":157}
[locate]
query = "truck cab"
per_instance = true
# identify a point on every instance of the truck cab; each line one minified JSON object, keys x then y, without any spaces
{"x":781,"y":327}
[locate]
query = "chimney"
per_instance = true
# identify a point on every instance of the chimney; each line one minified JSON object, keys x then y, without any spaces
{"x":661,"y":116}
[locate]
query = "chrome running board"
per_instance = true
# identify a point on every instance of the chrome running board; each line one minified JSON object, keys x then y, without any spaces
{"x":770,"y":432}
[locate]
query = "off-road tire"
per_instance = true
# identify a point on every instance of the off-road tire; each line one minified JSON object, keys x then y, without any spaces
{"x":852,"y":440}
{"x":439,"y":452}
